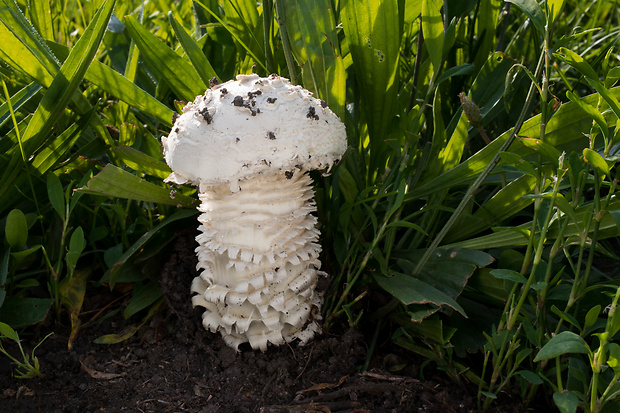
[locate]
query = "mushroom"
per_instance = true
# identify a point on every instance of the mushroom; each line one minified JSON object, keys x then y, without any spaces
{"x":247,"y":145}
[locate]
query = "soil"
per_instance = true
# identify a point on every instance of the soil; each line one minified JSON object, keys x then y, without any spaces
{"x":173,"y":365}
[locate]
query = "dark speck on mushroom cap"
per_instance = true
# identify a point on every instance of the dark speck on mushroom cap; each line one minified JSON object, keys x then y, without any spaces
{"x":242,"y":114}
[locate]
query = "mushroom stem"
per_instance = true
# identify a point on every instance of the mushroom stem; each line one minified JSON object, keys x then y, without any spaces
{"x":258,"y":256}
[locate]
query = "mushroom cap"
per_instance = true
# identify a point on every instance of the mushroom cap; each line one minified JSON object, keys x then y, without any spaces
{"x":250,"y":126}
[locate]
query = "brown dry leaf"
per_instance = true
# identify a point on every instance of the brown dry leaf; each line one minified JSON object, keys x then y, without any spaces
{"x":99,"y":375}
{"x":323,"y":386}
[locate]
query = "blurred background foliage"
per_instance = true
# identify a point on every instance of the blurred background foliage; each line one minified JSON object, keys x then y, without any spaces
{"x":473,"y":220}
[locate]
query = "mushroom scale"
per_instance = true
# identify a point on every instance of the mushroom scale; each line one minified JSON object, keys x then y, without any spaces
{"x":248,"y":144}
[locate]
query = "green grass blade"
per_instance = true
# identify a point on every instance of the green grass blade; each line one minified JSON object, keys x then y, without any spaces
{"x":372,"y":30}
{"x":590,"y":110}
{"x":193,"y":51}
{"x":41,"y":17}
{"x":567,"y":125}
{"x":60,"y":92}
{"x":533,"y":11}
{"x":22,"y":51}
{"x":60,"y":146}
{"x":139,"y":245}
{"x":119,"y":86}
{"x":506,"y":203}
{"x":487,"y":20}
{"x":114,"y":182}
{"x":452,"y":154}
{"x":234,"y":34}
{"x":67,"y":80}
{"x":513,"y":236}
{"x":433,"y":30}
{"x":141,"y":162}
{"x":242,"y":16}
{"x":174,"y":70}
{"x":18,"y":100}
{"x":314,"y":44}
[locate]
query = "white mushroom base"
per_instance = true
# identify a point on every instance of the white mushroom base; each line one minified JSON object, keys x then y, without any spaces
{"x":258,"y":254}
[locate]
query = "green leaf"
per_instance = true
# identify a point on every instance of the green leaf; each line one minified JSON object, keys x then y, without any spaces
{"x":504,"y":274}
{"x":579,"y":63}
{"x":144,"y":295}
{"x":567,"y":125}
{"x":410,"y":290}
{"x":566,"y":317}
{"x":119,"y":86}
{"x":543,"y":148}
{"x":511,"y":236}
{"x":56,"y":195}
{"x":591,"y":111}
{"x":61,"y":90}
{"x":531,"y":377}
{"x":506,"y":203}
{"x":20,"y":255}
{"x":372,"y":31}
{"x":67,"y":80}
{"x":460,"y":70}
{"x":451,"y":155}
{"x":566,"y":402}
{"x":77,"y":243}
{"x":566,"y":342}
{"x":23,"y":49}
{"x":314,"y":43}
{"x":173,"y":69}
{"x":8,"y":332}
{"x":18,"y":100}
{"x":533,"y":11}
{"x":555,"y":6}
{"x":576,"y":61}
{"x":433,"y":30}
{"x":596,"y":161}
{"x":591,"y":316}
{"x":193,"y":51}
{"x":59,"y":146}
{"x":448,"y":270}
{"x":518,"y":162}
{"x":114,"y":272}
{"x":613,"y":360}
{"x":129,"y":331}
{"x":41,"y":17}
{"x":236,"y":34}
{"x":115,"y":182}
{"x":141,"y":162}
{"x":24,"y":311}
{"x":16,"y":230}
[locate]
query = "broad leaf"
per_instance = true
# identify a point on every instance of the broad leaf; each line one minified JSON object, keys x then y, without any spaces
{"x":24,"y":311}
{"x":533,"y":11}
{"x":410,"y":290}
{"x":16,"y":229}
{"x":433,"y":30}
{"x":563,"y":343}
{"x":115,"y":182}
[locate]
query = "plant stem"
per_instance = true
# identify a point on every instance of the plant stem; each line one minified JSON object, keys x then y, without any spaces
{"x":483,"y":175}
{"x":286,"y":44}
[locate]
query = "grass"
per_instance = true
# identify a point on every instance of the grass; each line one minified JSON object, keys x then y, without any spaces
{"x":476,"y":201}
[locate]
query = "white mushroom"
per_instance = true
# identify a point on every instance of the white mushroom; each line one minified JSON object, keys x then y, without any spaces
{"x":248,"y":144}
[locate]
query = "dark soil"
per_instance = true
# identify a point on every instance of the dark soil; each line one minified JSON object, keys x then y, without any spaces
{"x":173,"y":365}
